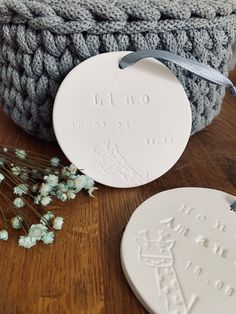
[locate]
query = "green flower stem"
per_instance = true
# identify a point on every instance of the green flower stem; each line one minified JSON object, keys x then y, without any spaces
{"x":14,"y":211}
{"x":20,"y":212}
{"x":3,"y":216}
{"x":44,"y":160}
{"x":13,"y":179}
{"x":25,"y":220}
{"x":17,"y":180}
{"x":35,"y":211}
{"x":8,"y":174}
{"x":12,"y":149}
{"x":32,"y":181}
{"x":28,"y":164}
{"x":18,"y":209}
{"x":28,"y":151}
{"x":12,"y":158}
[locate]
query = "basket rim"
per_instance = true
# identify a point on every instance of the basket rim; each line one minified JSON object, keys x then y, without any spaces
{"x":120,"y":16}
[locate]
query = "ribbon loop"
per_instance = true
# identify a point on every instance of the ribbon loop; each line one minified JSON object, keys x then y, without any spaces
{"x":233,"y":206}
{"x":202,"y":70}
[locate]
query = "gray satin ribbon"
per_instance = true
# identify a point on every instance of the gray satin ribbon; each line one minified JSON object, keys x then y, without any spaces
{"x":202,"y":70}
{"x":233,"y":206}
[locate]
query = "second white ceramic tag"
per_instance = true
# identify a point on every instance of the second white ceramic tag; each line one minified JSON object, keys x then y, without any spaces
{"x":122,"y":127}
{"x":178,"y":252}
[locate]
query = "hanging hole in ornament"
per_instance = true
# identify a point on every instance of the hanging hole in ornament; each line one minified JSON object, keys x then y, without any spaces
{"x":233,"y":206}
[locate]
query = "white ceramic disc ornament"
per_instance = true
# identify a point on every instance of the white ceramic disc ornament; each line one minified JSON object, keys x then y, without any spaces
{"x":122,"y":127}
{"x":179,"y":252}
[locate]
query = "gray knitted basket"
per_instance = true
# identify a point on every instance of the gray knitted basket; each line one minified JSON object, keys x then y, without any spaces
{"x":42,"y":40}
{"x":232,"y":62}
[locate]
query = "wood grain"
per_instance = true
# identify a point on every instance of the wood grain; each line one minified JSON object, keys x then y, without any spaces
{"x":81,"y":273}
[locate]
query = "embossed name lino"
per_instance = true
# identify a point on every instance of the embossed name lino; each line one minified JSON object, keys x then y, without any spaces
{"x":110,"y":99}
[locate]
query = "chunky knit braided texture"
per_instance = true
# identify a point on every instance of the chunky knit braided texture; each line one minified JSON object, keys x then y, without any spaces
{"x":42,"y":40}
{"x":232,"y":62}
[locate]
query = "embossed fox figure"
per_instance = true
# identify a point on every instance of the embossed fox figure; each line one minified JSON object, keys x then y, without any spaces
{"x":111,"y":161}
{"x":158,"y":254}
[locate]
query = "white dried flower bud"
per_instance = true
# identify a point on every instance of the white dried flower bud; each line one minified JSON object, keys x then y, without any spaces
{"x":57,"y":223}
{"x":3,"y":235}
{"x":16,"y":222}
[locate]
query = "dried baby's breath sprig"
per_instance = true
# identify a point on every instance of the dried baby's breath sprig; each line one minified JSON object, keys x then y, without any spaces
{"x":32,"y":181}
{"x":17,"y":222}
{"x":57,"y":223}
{"x":4,"y":235}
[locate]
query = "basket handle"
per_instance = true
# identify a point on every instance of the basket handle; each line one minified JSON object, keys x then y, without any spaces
{"x":202,"y":70}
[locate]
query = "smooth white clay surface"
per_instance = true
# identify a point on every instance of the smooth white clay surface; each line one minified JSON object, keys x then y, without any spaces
{"x":122,"y":127}
{"x":179,"y":252}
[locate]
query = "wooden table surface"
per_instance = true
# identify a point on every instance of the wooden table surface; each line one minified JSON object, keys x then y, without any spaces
{"x":81,"y":272}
